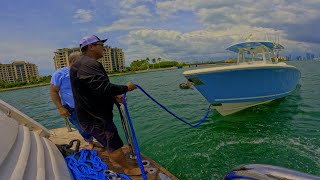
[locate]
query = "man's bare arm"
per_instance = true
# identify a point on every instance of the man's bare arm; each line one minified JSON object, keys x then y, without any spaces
{"x":54,"y":93}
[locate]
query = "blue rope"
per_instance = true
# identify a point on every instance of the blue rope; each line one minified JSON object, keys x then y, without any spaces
{"x":94,"y":168}
{"x":163,"y":107}
{"x":89,"y":166}
{"x":135,"y":142}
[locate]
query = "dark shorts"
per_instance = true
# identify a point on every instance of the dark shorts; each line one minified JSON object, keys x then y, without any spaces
{"x":106,"y":134}
{"x":74,"y":120}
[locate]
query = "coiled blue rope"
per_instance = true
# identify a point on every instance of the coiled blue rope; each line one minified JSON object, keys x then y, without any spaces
{"x":87,"y":165}
{"x":166,"y":109}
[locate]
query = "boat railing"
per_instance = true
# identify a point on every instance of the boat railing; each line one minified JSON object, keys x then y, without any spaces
{"x":23,"y":119}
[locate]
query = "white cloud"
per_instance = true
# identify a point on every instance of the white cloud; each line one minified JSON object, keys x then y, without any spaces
{"x":136,"y":11}
{"x":122,"y":24}
{"x":243,"y":11}
{"x":82,"y":15}
{"x":133,"y":8}
{"x":170,"y":44}
{"x":132,"y":17}
{"x":166,"y":8}
{"x":127,"y":4}
{"x":202,"y":44}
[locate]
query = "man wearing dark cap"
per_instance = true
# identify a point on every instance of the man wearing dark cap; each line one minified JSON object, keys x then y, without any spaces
{"x":95,"y":96}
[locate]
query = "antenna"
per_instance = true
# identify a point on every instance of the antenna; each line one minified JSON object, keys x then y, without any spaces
{"x":278,"y":44}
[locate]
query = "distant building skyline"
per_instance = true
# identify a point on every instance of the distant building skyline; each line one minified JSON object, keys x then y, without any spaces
{"x":18,"y":71}
{"x":112,"y":60}
{"x":308,"y":56}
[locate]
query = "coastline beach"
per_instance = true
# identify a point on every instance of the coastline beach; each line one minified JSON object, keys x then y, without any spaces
{"x":110,"y":75}
{"x":115,"y":74}
{"x":23,"y":87}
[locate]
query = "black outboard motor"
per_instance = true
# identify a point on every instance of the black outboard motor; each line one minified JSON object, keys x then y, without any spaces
{"x":268,"y":172}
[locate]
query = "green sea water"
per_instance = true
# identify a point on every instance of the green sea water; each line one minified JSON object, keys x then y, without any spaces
{"x":285,"y":132}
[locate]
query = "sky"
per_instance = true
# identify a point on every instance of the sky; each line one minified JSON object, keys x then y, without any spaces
{"x":181,"y":30}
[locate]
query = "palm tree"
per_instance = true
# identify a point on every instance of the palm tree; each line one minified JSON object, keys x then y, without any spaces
{"x":159,"y":60}
{"x":148,"y":60}
{"x":153,"y":61}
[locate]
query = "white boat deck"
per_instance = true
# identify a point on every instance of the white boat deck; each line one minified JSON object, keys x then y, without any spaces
{"x":26,"y":155}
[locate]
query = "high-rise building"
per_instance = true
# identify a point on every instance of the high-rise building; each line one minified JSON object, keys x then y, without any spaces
{"x":18,"y":71}
{"x":112,"y":60}
{"x":106,"y":60}
{"x":117,"y":57}
{"x":61,"y":57}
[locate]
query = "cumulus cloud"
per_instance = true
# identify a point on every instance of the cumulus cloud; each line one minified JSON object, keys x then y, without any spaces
{"x":168,"y":7}
{"x":122,"y":24}
{"x":170,"y":44}
{"x":136,"y":11}
{"x":133,"y":8}
{"x":208,"y":44}
{"x":132,"y":15}
{"x":274,"y":14}
{"x":82,"y":15}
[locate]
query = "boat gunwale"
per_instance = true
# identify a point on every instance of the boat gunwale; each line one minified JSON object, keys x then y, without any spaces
{"x":237,"y":67}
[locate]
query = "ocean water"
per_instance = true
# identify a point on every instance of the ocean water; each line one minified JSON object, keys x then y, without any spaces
{"x":284,"y":132}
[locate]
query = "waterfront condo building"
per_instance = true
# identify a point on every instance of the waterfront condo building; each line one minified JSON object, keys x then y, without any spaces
{"x":112,"y":60}
{"x":61,"y":57}
{"x":18,"y":71}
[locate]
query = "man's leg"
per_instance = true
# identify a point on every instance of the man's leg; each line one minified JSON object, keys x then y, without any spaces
{"x":74,"y":120}
{"x":108,"y":136}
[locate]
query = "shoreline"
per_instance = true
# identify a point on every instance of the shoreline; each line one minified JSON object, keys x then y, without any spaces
{"x":24,"y":87}
{"x":142,"y":71}
{"x":110,"y":75}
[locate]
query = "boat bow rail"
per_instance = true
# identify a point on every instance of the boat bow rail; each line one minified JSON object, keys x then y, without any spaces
{"x":236,"y":67}
{"x":23,"y":119}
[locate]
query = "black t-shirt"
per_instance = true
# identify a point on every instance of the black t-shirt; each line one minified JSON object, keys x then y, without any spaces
{"x":93,"y":93}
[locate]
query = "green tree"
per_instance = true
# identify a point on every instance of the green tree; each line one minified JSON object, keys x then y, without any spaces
{"x":153,"y":62}
{"x":148,"y":61}
{"x":139,"y":65}
{"x":159,"y":60}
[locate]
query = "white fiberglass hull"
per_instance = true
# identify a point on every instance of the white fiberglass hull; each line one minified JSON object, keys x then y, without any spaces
{"x":229,"y":108}
{"x":233,"y":88}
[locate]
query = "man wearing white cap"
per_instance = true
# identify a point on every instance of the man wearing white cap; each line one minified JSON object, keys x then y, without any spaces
{"x":95,"y":96}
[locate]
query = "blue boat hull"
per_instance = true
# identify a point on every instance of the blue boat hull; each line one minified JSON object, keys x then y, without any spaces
{"x":255,"y":84}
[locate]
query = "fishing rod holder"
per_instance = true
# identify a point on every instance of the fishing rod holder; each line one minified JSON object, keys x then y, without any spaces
{"x":127,"y":131}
